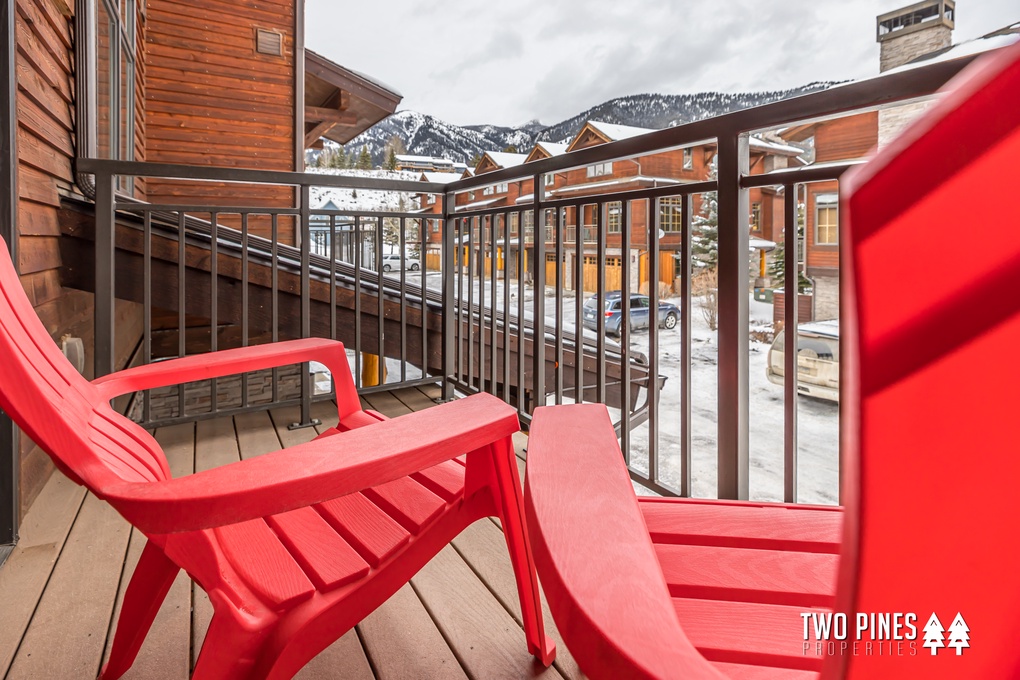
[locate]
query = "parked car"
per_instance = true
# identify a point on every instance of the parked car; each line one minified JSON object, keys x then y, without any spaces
{"x":817,"y":360}
{"x":640,"y":306}
{"x":393,"y":261}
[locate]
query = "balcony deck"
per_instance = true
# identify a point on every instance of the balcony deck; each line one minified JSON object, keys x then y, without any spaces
{"x":62,"y":585}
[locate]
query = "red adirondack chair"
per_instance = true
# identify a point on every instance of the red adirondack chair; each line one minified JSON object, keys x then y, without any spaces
{"x":656,"y":588}
{"x":294,"y":547}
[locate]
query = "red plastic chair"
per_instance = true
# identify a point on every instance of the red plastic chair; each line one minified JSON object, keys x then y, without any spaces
{"x":295,"y":547}
{"x":656,"y":588}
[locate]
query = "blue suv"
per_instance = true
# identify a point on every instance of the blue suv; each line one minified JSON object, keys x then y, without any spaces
{"x":640,"y":306}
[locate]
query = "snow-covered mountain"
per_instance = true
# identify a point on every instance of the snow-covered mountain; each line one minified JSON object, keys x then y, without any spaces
{"x":427,"y":135}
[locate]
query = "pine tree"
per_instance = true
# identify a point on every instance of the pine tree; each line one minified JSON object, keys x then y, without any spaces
{"x":475,"y":159}
{"x":959,"y":634}
{"x":933,"y":634}
{"x":391,"y":160}
{"x":777,"y":266}
{"x":705,"y":232}
{"x":510,"y":148}
{"x":364,"y":160}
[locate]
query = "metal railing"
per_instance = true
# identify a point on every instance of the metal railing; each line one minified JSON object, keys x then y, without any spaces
{"x":498,"y":318}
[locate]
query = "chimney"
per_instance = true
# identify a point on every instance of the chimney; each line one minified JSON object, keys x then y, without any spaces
{"x":915,"y":30}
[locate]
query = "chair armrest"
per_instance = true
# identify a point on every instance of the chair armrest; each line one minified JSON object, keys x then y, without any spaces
{"x":595,"y":559}
{"x":314,"y":472}
{"x":226,"y":362}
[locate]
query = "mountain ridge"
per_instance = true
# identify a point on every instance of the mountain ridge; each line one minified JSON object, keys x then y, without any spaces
{"x":426,"y":135}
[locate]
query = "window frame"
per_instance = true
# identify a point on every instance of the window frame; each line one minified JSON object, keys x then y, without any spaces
{"x":826,"y":202}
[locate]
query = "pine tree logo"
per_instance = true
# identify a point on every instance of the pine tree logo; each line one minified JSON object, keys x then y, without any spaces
{"x":933,"y":631}
{"x":959,"y":634}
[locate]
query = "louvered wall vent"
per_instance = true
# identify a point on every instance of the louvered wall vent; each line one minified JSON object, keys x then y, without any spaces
{"x":268,"y":42}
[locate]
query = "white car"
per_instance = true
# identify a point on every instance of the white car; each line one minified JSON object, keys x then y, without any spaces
{"x":817,"y":360}
{"x":393,"y":261}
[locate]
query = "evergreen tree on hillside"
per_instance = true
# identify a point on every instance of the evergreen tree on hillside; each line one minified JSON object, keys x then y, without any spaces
{"x":475,"y":159}
{"x":364,"y":160}
{"x":391,"y":160}
{"x":510,"y":148}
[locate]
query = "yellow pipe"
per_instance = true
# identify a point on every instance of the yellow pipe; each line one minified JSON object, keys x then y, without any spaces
{"x":370,"y":370}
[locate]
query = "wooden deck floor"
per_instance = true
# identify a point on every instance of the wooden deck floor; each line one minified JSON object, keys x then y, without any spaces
{"x":60,"y":589}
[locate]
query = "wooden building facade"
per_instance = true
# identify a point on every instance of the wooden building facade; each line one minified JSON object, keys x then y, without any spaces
{"x":224,"y":83}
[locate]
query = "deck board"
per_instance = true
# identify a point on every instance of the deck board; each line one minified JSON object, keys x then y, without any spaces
{"x":63,"y":583}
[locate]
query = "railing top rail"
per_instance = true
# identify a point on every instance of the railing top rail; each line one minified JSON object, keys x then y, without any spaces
{"x":862,"y":95}
{"x":245,"y":175}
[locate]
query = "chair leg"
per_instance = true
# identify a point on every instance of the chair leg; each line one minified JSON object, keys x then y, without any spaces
{"x":228,"y":652}
{"x":145,"y":593}
{"x":511,"y":508}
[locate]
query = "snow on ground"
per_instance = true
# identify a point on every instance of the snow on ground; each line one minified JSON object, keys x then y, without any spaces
{"x":817,"y":420}
{"x":364,"y":199}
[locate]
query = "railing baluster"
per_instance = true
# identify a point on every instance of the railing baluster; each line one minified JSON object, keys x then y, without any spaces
{"x":423,"y":229}
{"x":357,"y":300}
{"x":403,"y":299}
{"x":147,"y":307}
{"x":600,"y":214}
{"x":522,"y":256}
{"x":381,"y":302}
{"x":625,"y":239}
{"x":493,"y":233}
{"x":274,"y":304}
{"x":181,"y":302}
{"x":504,"y":222}
{"x":244,"y":302}
{"x":559,"y":220}
{"x":579,"y":304}
{"x":304,"y":233}
{"x":448,"y":269}
{"x":538,"y":313}
{"x":685,"y":347}
{"x":333,"y":243}
{"x":653,"y":340}
{"x":471,"y":222}
{"x":481,"y":222}
{"x":213,"y":304}
{"x":790,"y":322}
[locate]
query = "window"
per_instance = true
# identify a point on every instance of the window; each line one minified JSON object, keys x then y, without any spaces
{"x":471,"y":195}
{"x":670,"y":215}
{"x":826,"y":219}
{"x":502,"y":188}
{"x":109,"y":128}
{"x":615,"y":217}
{"x":688,"y":159}
{"x":513,"y":224}
{"x":756,"y":216}
{"x":488,"y":191}
{"x":431,"y":199}
{"x":550,"y":179}
{"x":600,"y":169}
{"x":529,"y":226}
{"x":435,"y":227}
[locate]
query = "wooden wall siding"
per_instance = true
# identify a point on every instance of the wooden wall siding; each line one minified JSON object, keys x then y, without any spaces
{"x":819,"y":256}
{"x":211,"y":99}
{"x":846,"y":138}
{"x":46,"y":119}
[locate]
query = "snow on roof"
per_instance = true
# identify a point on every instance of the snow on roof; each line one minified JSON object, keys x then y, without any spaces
{"x":505,"y":159}
{"x":478,"y":204}
{"x":405,"y":158}
{"x":617,"y":132}
{"x":1002,"y":38}
{"x":525,"y":198}
{"x":622,"y":180}
{"x":827,"y":328}
{"x":440,"y":177}
{"x":773,"y":147}
{"x":553,"y":148}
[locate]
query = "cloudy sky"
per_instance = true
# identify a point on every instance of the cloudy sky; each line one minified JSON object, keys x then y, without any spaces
{"x":509,"y":62}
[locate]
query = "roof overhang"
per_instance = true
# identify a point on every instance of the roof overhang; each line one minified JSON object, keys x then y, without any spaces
{"x":340,"y":103}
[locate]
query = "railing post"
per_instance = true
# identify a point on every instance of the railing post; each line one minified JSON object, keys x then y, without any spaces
{"x":733,"y":317}
{"x":106,"y":228}
{"x":448,"y":269}
{"x":538,"y":311}
{"x":9,"y":456}
{"x":305,"y":243}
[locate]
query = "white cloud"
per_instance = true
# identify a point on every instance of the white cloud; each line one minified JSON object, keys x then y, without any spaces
{"x":508,"y":62}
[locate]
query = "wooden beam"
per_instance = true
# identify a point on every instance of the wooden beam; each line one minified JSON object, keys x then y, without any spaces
{"x":318,"y":131}
{"x":339,"y":100}
{"x":314,"y":114}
